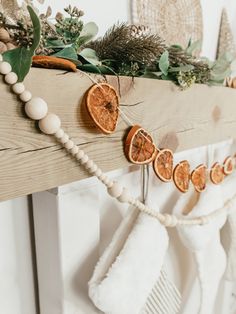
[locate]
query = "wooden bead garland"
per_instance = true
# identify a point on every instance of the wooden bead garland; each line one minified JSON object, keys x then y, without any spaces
{"x":51,"y":124}
{"x":11,"y":78}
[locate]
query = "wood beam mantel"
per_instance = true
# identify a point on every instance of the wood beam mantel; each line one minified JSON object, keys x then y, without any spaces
{"x":180,"y":120}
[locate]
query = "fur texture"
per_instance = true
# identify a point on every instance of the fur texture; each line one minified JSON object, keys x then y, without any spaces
{"x":130,"y":266}
{"x":204,"y":241}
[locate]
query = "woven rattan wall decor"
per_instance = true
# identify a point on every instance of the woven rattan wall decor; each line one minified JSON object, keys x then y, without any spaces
{"x":175,"y":20}
{"x":226,"y":38}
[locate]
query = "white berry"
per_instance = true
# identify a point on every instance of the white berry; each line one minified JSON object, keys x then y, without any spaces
{"x":50,"y":124}
{"x":36,"y":108}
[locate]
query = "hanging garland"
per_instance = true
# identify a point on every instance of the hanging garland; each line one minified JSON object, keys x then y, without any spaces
{"x":128,"y":50}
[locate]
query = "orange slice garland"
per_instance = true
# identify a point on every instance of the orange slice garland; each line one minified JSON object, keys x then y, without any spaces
{"x":102,"y":103}
{"x":216,"y":173}
{"x":199,"y":178}
{"x":228,"y":167}
{"x":163,"y":165}
{"x":181,"y":176}
{"x":139,"y":146}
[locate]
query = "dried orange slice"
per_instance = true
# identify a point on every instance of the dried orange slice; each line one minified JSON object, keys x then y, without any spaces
{"x":199,"y":178}
{"x":139,"y":146}
{"x":217,"y":174}
{"x":228,"y":167}
{"x":181,"y":176}
{"x":102,"y":103}
{"x":163,"y":165}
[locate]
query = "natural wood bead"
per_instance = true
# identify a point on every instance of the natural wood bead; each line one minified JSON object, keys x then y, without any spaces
{"x":5,"y":68}
{"x":89,"y":164}
{"x":69,"y":144}
{"x":98,"y":173}
{"x":74,"y":150}
{"x":1,"y":58}
{"x":93,"y":169}
{"x":36,"y":108}
{"x":169,"y":220}
{"x":50,"y":124}
{"x":59,"y":134}
{"x":84,"y":159}
{"x":80,"y":154}
{"x":125,"y":196}
{"x":107,"y":182}
{"x":25,"y":96}
{"x":116,"y":190}
{"x":64,"y":139}
{"x":11,"y":78}
{"x":18,"y":88}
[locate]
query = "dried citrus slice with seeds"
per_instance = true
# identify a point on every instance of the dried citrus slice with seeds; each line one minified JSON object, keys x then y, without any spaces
{"x":102,"y":103}
{"x":199,"y":178}
{"x":217,"y":174}
{"x":228,"y":167}
{"x":163,"y":165}
{"x":139,"y":146}
{"x":181,"y":176}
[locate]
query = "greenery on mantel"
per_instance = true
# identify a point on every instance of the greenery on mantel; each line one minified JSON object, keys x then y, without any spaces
{"x":124,"y":50}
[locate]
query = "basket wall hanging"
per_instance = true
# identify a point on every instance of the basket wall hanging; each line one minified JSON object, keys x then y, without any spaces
{"x":176,"y":20}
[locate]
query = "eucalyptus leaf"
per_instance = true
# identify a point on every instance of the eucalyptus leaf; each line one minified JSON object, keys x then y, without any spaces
{"x":21,"y":58}
{"x":164,"y":62}
{"x":89,"y":31}
{"x":68,"y":53}
{"x":90,"y":56}
{"x":182,"y":68}
{"x":195,"y":46}
{"x":153,"y":75}
{"x":89,"y":68}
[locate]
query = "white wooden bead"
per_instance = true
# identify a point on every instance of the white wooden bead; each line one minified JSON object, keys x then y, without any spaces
{"x":64,"y":139}
{"x":102,"y":177}
{"x":116,"y":190}
{"x":69,"y":145}
{"x":50,"y":124}
{"x":93,"y":169}
{"x":25,"y":96}
{"x":11,"y":78}
{"x":59,"y":134}
{"x":125,"y":196}
{"x":80,"y":154}
{"x":18,"y":88}
{"x":107,"y":181}
{"x":36,"y":108}
{"x":5,"y":68}
{"x":98,"y":173}
{"x":1,"y":58}
{"x":84,"y":159}
{"x":89,"y":164}
{"x":74,"y":150}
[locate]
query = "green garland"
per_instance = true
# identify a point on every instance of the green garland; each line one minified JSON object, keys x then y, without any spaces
{"x":123,"y":50}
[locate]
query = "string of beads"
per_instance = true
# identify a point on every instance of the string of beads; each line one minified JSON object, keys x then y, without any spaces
{"x":49,"y":123}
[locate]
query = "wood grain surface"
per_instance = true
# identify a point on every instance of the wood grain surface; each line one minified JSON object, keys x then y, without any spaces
{"x":180,"y":120}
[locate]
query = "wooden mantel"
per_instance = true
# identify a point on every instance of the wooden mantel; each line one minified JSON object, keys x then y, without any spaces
{"x":31,"y":161}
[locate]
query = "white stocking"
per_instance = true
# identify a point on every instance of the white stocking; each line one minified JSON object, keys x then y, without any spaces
{"x":204,"y":241}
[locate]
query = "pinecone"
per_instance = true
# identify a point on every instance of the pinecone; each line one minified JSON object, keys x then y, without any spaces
{"x":5,"y":41}
{"x":230,"y":82}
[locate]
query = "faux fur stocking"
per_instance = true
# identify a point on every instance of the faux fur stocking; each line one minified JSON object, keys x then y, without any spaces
{"x":204,"y":241}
